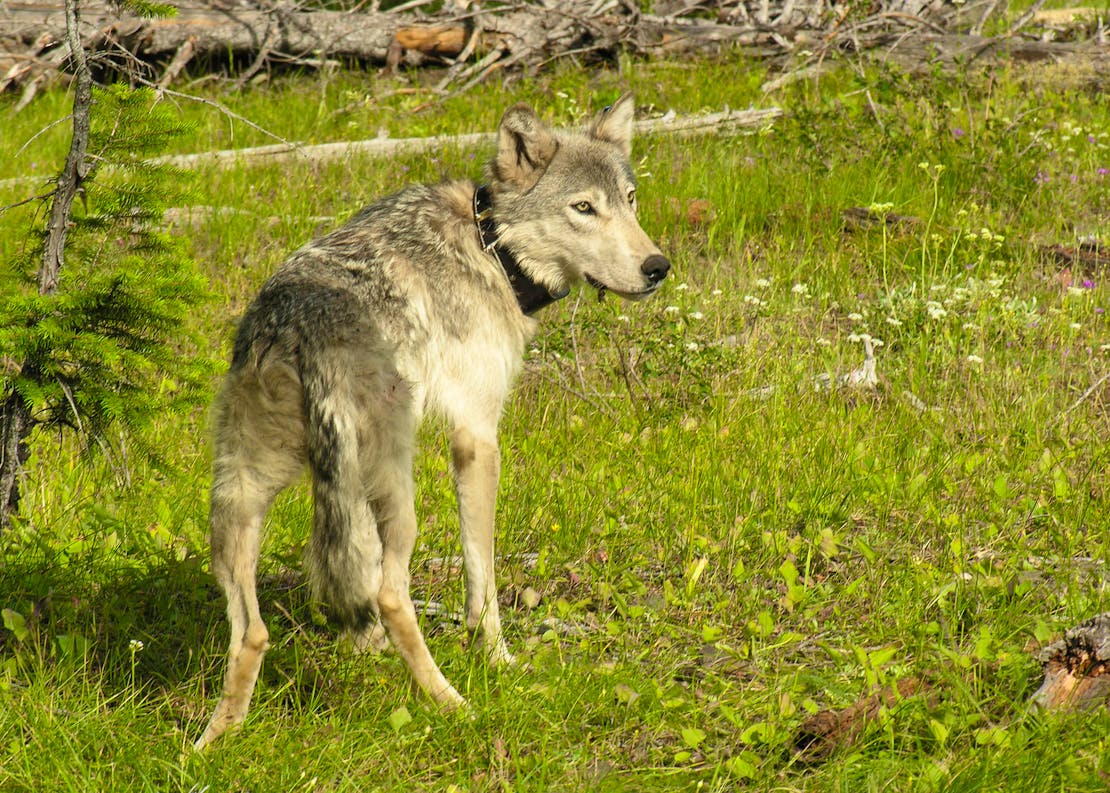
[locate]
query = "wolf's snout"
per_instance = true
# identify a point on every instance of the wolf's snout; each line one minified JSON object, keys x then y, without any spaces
{"x":655,"y":267}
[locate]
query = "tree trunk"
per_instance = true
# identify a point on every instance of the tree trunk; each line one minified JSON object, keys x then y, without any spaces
{"x":76,"y":167}
{"x":14,"y":423}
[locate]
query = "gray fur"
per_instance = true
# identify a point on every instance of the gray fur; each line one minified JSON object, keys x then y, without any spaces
{"x":359,"y":334}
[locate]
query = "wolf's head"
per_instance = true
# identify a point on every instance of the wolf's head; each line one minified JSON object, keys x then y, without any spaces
{"x":565,"y":203}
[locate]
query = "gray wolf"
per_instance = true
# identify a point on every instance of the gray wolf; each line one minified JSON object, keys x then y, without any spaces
{"x":421,"y":303}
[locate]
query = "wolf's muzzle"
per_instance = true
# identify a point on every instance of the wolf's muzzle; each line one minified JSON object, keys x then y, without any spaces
{"x":655,"y":268}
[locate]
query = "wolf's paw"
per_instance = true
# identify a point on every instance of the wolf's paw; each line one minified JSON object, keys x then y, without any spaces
{"x":498,"y":654}
{"x":371,"y":640}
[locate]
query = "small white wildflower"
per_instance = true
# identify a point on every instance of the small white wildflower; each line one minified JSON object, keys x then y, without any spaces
{"x":762,"y":283}
{"x":894,"y":321}
{"x":855,"y":316}
{"x":672,"y":309}
{"x":1075,"y":326}
{"x":696,"y":315}
{"x":1075,"y":291}
{"x":877,"y":342}
{"x":936,"y":311}
{"x":970,"y":326}
{"x":135,"y":646}
{"x":1104,"y":348}
{"x":800,"y":289}
{"x":693,"y":346}
{"x":824,"y":343}
{"x":854,"y":338}
{"x":682,"y":287}
{"x":716,"y":293}
{"x":974,"y":359}
{"x":624,"y":318}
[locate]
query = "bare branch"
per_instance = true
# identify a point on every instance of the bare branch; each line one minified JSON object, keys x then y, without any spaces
{"x":223,"y":109}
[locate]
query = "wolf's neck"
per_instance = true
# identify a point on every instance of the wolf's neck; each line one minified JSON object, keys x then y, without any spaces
{"x":531,"y":295}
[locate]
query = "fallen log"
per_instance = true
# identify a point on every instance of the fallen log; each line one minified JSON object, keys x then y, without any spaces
{"x":704,"y":123}
{"x":215,"y":30}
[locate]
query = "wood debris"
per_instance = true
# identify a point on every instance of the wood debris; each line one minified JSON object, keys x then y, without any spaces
{"x":246,"y":38}
{"x":1089,"y":256}
{"x":864,"y":218}
{"x":824,"y":733}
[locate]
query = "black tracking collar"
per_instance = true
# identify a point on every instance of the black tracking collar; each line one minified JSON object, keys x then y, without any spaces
{"x":531,"y":296}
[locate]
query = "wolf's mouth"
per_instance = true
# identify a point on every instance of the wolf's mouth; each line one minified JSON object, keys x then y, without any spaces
{"x":596,"y":284}
{"x":602,"y":289}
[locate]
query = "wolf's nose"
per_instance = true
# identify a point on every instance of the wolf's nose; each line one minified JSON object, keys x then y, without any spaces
{"x":655,"y":267}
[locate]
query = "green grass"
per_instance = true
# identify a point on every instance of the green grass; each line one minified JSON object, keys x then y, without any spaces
{"x":722,"y":548}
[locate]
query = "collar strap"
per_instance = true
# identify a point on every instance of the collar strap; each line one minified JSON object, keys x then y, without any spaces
{"x":530,"y":295}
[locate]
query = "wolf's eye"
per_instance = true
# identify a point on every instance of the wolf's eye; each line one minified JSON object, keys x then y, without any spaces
{"x":585,"y":207}
{"x":632,"y":197}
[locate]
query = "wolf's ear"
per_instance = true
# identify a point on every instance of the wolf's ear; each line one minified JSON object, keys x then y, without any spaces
{"x":525,"y":147}
{"x":614,"y":124}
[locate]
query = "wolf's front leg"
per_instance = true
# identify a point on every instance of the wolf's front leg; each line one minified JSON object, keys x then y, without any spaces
{"x":477,"y":465}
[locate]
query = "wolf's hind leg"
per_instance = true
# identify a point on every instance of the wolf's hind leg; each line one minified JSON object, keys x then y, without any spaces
{"x":239,"y":504}
{"x":371,"y":639}
{"x":257,"y":453}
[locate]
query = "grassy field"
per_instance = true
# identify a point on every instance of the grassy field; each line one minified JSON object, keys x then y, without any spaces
{"x":721,"y":545}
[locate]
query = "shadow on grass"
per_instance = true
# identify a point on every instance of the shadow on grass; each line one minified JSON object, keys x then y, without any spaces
{"x":155,"y":625}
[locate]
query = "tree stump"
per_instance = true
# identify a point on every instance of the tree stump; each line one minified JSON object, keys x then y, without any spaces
{"x":1077,"y":668}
